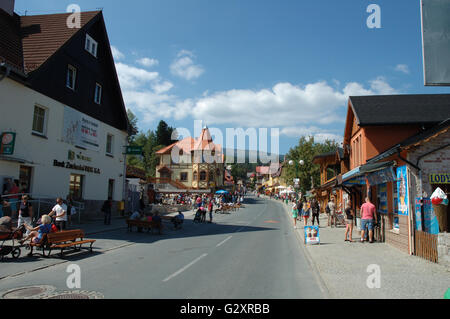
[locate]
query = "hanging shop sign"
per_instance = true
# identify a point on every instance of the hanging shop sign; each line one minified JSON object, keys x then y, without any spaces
{"x":402,"y":189}
{"x":380,"y":177}
{"x":440,"y":178}
{"x":72,"y":166}
{"x":8,"y":141}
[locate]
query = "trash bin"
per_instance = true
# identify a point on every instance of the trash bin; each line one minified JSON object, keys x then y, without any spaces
{"x":441,"y":214}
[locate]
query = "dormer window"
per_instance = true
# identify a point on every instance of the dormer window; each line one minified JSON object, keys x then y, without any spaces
{"x":91,"y":45}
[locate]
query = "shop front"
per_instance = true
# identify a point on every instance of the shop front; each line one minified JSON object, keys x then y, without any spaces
{"x":386,"y":186}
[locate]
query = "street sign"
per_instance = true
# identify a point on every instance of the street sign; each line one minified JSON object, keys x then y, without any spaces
{"x":134,"y":150}
{"x":8,"y":141}
{"x":436,"y":41}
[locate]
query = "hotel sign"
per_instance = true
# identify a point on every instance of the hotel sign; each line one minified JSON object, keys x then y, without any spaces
{"x":83,"y":168}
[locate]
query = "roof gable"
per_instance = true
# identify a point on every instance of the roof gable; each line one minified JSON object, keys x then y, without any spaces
{"x":10,"y":40}
{"x":90,"y":70}
{"x":44,"y":35}
{"x":400,"y":109}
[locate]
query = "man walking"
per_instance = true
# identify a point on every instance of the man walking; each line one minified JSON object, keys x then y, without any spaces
{"x":332,"y":215}
{"x":368,"y":217}
{"x":60,"y":210}
{"x":315,"y":211}
{"x":106,"y":209}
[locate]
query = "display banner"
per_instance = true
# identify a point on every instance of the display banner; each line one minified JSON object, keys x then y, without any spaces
{"x":418,"y":212}
{"x":312,"y":235}
{"x":430,"y":220}
{"x":80,"y":130}
{"x":382,"y":191}
{"x":402,"y":187}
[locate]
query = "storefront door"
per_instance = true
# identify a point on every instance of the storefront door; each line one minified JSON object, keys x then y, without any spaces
{"x":25,"y":179}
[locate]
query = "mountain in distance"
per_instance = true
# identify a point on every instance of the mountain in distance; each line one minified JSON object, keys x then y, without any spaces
{"x":249,"y":154}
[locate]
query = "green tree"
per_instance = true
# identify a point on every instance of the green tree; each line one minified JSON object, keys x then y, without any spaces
{"x":132,"y":119}
{"x":164,"y":134}
{"x":306,"y":150}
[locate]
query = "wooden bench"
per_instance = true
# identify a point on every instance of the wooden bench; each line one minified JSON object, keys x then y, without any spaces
{"x":150,"y":226}
{"x":62,"y":240}
{"x":224,"y":209}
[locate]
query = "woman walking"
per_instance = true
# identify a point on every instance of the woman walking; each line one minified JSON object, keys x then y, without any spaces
{"x":349,"y":223}
{"x":295,"y":214}
{"x":305,"y":213}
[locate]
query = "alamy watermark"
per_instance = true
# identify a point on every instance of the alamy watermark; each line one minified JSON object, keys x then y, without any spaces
{"x":74,"y":279}
{"x":205,"y":149}
{"x":374,"y":279}
{"x":74,"y":20}
{"x":374,"y":19}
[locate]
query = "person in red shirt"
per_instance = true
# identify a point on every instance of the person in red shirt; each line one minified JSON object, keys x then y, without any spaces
{"x":368,"y":217}
{"x":210,"y":209}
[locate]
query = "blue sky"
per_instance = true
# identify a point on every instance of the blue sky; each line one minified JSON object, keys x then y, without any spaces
{"x":289,"y":64}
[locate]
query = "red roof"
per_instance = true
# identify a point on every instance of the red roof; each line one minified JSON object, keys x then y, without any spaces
{"x":43,"y":35}
{"x":26,"y":42}
{"x":189,"y":144}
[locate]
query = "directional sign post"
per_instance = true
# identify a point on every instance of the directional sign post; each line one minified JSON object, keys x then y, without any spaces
{"x":134,"y":150}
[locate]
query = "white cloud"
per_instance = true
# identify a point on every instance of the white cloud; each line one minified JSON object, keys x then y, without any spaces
{"x":131,"y":77}
{"x":402,"y":68}
{"x":322,"y":137}
{"x":184,"y":66}
{"x":312,"y":109}
{"x":285,"y":105}
{"x":162,"y":87}
{"x":117,"y":54}
{"x":147,"y":62}
{"x":380,"y":86}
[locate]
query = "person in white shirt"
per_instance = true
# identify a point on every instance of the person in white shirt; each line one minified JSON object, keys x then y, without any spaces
{"x":60,"y":210}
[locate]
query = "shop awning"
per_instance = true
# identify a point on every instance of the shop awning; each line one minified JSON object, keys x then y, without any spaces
{"x":376,"y":173}
{"x":14,"y":159}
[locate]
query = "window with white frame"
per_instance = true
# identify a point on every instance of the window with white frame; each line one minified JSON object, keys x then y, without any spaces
{"x":39,"y":120}
{"x":71,"y":77}
{"x":91,"y":45}
{"x":109,"y":144}
{"x":98,"y":93}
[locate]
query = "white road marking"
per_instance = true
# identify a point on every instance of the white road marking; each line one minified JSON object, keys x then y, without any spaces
{"x":223,"y":242}
{"x":184,"y":268}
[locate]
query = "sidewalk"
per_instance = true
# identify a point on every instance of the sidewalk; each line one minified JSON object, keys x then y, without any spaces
{"x":343,"y":267}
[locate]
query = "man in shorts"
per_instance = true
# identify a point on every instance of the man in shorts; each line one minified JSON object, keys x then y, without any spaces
{"x":332,"y":215}
{"x":368,"y":218}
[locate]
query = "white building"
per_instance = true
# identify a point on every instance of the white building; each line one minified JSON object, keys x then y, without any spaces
{"x":60,"y":96}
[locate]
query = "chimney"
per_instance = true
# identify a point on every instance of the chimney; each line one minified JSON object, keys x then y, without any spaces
{"x":8,"y":6}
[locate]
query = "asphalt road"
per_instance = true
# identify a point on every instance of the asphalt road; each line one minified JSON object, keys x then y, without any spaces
{"x":252,"y":253}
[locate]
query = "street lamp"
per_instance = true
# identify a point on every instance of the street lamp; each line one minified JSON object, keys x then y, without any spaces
{"x":301,"y":163}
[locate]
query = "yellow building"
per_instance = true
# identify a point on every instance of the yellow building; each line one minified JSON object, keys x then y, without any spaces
{"x":192,"y":164}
